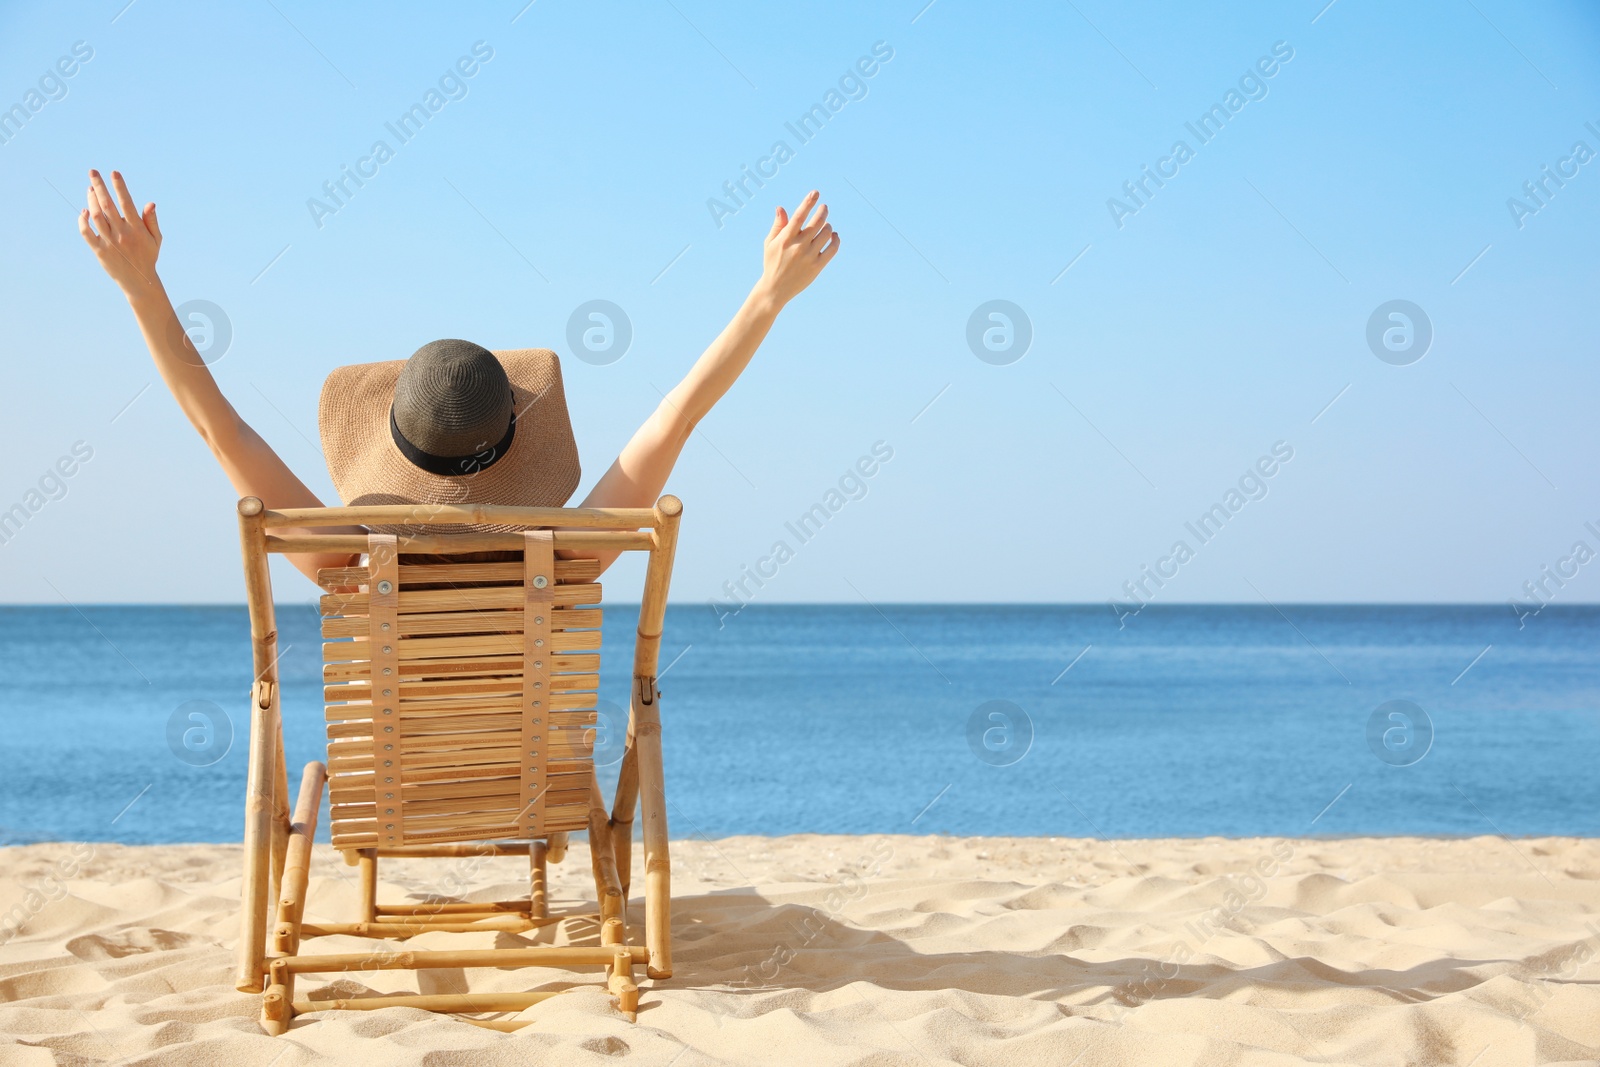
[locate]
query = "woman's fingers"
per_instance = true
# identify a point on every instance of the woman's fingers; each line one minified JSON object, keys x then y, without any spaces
{"x":797,"y":222}
{"x":828,"y":253}
{"x":89,"y":235}
{"x":97,"y":214}
{"x":815,"y":226}
{"x":779,"y":218}
{"x":821,"y":237}
{"x":108,"y":206}
{"x":124,"y":199}
{"x":150,"y":221}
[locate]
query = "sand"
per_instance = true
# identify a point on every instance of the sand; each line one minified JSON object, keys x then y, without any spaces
{"x":872,"y":950}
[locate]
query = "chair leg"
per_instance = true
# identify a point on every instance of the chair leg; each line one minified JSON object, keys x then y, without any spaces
{"x":369,"y":884}
{"x":623,"y":806}
{"x":539,"y":881}
{"x":620,"y":982}
{"x":603,"y":858}
{"x":558,"y":847}
{"x":653,"y":803}
{"x":297,"y":860}
{"x":255,"y":909}
{"x":281,"y":819}
{"x":277,"y":1005}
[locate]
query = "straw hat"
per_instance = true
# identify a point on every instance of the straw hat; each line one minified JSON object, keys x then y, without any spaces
{"x":454,"y":424}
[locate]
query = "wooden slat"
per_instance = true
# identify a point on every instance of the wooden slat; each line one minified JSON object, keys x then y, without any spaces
{"x":568,"y":708}
{"x":572,"y":663}
{"x":557,"y":820}
{"x":352,"y":773}
{"x":454,"y":760}
{"x":562,"y":745}
{"x":494,"y":720}
{"x":479,"y":623}
{"x":491,"y":644}
{"x":434,"y":689}
{"x":467,"y":598}
{"x":446,"y":544}
{"x":362,"y":830}
{"x":449,"y":514}
{"x":448,"y":724}
{"x":487,"y":787}
{"x":567,"y":570}
{"x":339,"y":766}
{"x":347,"y":801}
{"x":462,"y":819}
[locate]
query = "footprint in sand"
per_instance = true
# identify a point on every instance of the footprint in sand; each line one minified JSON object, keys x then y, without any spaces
{"x":129,"y":942}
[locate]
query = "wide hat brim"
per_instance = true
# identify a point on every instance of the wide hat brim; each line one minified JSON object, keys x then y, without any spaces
{"x":540,"y":469}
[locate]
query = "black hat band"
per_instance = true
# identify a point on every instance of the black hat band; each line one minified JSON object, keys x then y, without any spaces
{"x":452,"y":466}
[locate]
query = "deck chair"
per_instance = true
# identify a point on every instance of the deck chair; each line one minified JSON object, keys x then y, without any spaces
{"x":460,"y":673}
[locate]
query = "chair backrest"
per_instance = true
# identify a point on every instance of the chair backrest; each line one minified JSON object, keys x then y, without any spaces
{"x":461,"y":669}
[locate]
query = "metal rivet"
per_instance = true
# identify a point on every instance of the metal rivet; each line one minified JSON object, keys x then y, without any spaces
{"x":388,"y":692}
{"x":383,"y":626}
{"x":536,"y":721}
{"x":385,"y":587}
{"x":388,"y":711}
{"x":387,"y":650}
{"x":538,"y":620}
{"x":388,"y":670}
{"x":388,"y":763}
{"x":538,"y":664}
{"x":388,"y":729}
{"x":389,"y":826}
{"x":535,"y":704}
{"x":540,"y":581}
{"x":388,"y":748}
{"x":538,"y":642}
{"x":388,"y":811}
{"x":386,"y":781}
{"x":538,"y":685}
{"x":388,"y":796}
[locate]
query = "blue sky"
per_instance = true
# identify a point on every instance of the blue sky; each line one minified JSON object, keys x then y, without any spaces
{"x":1168,"y":355}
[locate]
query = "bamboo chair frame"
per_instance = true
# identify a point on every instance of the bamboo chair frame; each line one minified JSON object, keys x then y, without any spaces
{"x":278,"y":842}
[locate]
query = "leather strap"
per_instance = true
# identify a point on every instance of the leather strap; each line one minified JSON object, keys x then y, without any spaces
{"x":539,"y":589}
{"x":383,"y":633}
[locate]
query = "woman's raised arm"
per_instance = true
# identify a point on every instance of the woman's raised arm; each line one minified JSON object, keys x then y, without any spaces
{"x":127,"y":241}
{"x":794,"y":253}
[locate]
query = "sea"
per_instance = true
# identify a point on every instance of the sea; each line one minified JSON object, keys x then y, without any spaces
{"x":130,"y":724}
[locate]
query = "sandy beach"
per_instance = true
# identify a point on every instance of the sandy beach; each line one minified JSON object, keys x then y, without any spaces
{"x":871,"y":950}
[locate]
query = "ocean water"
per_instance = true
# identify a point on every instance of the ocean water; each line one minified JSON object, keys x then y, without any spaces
{"x":1038,"y":720}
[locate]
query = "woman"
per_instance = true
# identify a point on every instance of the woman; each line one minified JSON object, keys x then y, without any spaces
{"x":453,"y":409}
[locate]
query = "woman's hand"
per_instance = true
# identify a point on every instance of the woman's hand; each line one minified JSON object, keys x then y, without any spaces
{"x":125,"y":240}
{"x":795,"y":252}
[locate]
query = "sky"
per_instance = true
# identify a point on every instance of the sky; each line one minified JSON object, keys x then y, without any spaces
{"x":1160,"y":346}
